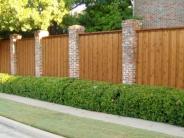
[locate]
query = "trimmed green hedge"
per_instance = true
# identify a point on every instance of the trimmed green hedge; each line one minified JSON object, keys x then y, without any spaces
{"x":150,"y":103}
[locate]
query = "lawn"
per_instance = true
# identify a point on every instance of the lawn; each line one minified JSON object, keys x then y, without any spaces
{"x":68,"y":125}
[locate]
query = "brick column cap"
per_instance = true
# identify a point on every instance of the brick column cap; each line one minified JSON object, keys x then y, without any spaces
{"x":77,"y":27}
{"x":15,"y":37}
{"x":132,"y":22}
{"x":41,"y":33}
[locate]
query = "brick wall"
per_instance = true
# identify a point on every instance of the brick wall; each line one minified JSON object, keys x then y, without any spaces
{"x":160,"y":13}
{"x":74,"y":50}
{"x":38,"y":51}
{"x":129,"y":46}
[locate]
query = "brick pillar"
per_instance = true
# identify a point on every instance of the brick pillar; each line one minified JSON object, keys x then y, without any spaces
{"x":13,"y":39}
{"x":74,"y":50}
{"x":38,"y":51}
{"x":129,"y":46}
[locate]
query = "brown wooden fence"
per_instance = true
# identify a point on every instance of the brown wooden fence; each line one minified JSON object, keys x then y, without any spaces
{"x":160,"y":58}
{"x":5,"y":56}
{"x":101,"y":56}
{"x":55,"y":56}
{"x":25,"y":57}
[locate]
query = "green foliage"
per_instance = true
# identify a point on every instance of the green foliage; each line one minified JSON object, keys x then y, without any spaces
{"x":68,"y":20}
{"x":150,"y":103}
{"x":26,"y":15}
{"x":100,"y":15}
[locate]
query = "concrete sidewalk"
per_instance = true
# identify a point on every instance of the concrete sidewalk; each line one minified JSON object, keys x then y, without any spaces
{"x":13,"y":129}
{"x":126,"y":121}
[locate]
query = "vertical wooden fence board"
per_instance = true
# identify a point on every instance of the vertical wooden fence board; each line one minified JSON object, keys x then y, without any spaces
{"x":55,"y":56}
{"x":165,"y":58}
{"x":160,"y":57}
{"x":139,"y":60}
{"x":92,"y":59}
{"x":180,"y":59}
{"x":4,"y":56}
{"x":177,"y":57}
{"x":119,"y":58}
{"x":25,"y":53}
{"x":152,"y":58}
{"x":145,"y":57}
{"x":115,"y":58}
{"x":58,"y":56}
{"x":104,"y":58}
{"x":87,"y":57}
{"x":82,"y":60}
{"x":99,"y":59}
{"x":101,"y":56}
{"x":158,"y":48}
{"x":172,"y":59}
{"x":110,"y":56}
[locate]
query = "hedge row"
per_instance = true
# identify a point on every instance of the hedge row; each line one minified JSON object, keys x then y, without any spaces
{"x":150,"y":103}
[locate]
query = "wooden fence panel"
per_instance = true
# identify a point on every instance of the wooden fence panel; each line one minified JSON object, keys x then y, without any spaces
{"x":101,"y":56}
{"x":160,"y":57}
{"x":4,"y":56}
{"x":25,"y":52}
{"x":55,"y":56}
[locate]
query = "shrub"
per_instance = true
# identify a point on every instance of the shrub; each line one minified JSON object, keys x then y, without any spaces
{"x":150,"y":103}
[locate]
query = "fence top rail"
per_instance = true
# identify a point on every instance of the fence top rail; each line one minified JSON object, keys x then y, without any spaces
{"x":101,"y":32}
{"x":157,"y":29}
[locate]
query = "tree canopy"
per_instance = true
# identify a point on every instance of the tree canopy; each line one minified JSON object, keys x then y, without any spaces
{"x":100,"y":14}
{"x":26,"y":15}
{"x":29,"y":15}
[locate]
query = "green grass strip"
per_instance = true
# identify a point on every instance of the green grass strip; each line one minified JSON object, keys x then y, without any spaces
{"x":68,"y":125}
